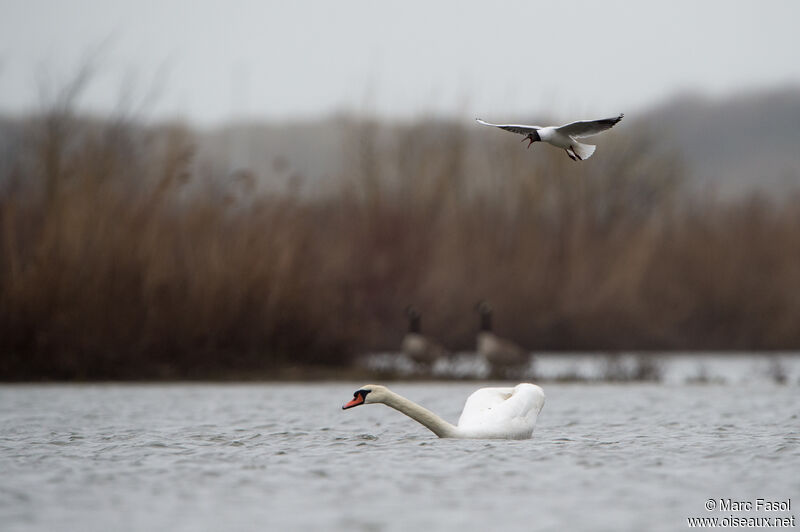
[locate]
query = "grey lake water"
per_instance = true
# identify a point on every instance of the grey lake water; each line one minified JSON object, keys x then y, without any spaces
{"x":286,"y":457}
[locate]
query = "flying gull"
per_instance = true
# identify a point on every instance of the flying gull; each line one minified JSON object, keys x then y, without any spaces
{"x":562,"y":136}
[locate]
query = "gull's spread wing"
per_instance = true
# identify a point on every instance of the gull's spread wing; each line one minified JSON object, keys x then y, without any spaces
{"x":514,"y":128}
{"x":587,"y":128}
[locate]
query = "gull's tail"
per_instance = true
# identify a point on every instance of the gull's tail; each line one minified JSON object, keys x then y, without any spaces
{"x":583,"y":151}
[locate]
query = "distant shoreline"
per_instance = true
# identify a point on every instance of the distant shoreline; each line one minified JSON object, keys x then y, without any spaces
{"x":593,"y":367}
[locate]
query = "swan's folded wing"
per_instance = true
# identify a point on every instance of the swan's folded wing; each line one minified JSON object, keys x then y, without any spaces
{"x":529,"y":400}
{"x":482,"y":405}
{"x":491,"y":407}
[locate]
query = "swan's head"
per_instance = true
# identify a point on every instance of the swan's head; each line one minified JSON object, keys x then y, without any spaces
{"x":371,"y":393}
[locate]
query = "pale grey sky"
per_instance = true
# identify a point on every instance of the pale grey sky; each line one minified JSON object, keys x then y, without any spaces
{"x":298,"y":59}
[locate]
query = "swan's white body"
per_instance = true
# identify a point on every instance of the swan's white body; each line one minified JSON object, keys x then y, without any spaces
{"x":489,"y":413}
{"x":565,"y":137}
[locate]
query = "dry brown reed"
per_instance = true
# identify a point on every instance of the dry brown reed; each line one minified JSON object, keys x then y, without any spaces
{"x":122,"y":257}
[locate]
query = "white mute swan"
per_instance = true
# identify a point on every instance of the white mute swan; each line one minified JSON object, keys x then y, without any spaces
{"x":497,"y":413}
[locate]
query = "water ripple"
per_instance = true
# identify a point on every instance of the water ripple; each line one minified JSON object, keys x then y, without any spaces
{"x":93,"y":457}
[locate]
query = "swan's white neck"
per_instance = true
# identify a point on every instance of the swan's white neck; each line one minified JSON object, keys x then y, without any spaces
{"x":434,"y":423}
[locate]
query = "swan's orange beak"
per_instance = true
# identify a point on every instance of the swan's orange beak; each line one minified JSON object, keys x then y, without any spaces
{"x":358,"y":399}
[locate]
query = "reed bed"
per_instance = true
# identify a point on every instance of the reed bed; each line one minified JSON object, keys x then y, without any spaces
{"x":123,"y":256}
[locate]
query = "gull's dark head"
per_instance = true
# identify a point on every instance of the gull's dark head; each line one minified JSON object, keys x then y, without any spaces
{"x":532,"y":137}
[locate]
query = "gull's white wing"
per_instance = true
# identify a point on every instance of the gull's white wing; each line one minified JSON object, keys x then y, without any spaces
{"x":587,"y":128}
{"x":514,"y":128}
